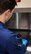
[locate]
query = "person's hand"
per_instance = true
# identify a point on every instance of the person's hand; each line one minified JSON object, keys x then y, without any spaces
{"x":24,"y":41}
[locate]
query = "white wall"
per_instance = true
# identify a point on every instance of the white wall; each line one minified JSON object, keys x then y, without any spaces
{"x":24,"y":3}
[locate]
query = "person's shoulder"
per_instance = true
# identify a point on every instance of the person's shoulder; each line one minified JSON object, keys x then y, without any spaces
{"x":6,"y":33}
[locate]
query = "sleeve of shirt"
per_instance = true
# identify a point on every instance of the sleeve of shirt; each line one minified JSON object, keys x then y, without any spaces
{"x":12,"y":46}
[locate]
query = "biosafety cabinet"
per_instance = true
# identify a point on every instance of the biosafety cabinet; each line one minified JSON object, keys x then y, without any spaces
{"x":21,"y":20}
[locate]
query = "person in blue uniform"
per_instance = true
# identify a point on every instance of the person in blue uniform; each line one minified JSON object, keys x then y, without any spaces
{"x":8,"y":40}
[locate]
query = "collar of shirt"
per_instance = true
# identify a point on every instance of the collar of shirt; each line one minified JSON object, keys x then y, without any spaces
{"x":2,"y":24}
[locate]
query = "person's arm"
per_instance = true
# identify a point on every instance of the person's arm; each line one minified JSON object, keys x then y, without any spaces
{"x":11,"y":44}
{"x":24,"y":45}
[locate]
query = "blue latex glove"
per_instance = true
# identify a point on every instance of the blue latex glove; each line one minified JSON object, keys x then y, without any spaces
{"x":24,"y":42}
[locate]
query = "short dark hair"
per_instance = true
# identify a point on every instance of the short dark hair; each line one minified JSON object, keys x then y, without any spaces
{"x":7,"y":4}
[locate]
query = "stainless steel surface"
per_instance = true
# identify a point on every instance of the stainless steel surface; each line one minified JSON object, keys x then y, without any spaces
{"x":28,"y":52}
{"x":23,"y":10}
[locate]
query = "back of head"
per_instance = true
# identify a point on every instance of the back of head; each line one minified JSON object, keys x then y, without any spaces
{"x":7,"y":4}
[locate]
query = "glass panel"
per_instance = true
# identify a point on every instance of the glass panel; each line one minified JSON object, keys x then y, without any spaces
{"x":30,"y":19}
{"x":23,"y":21}
{"x":20,"y":21}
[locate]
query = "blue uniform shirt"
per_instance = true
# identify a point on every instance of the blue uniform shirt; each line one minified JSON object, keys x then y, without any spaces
{"x":8,"y":42}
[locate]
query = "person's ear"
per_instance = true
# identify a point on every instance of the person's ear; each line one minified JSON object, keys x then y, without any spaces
{"x":7,"y":12}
